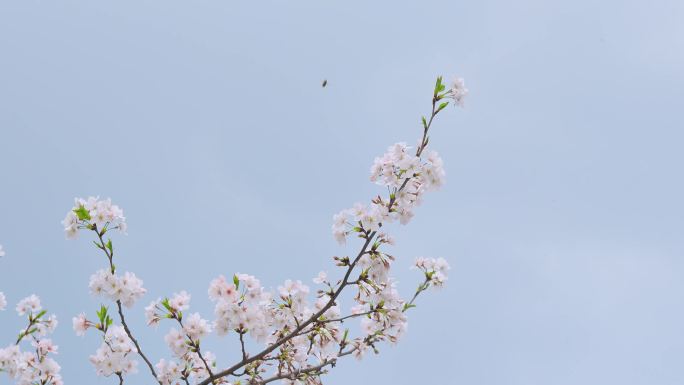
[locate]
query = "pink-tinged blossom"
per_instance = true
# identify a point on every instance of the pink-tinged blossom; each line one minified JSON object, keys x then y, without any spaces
{"x":458,"y":91}
{"x":322,"y":277}
{"x":168,"y":372}
{"x":180,"y":301}
{"x":127,"y":288}
{"x":45,"y":346}
{"x":3,"y":301}
{"x":34,"y":366}
{"x":30,"y":305}
{"x":80,"y":324}
{"x":175,"y":340}
{"x":47,"y":325}
{"x":220,"y":289}
{"x":115,"y":353}
{"x":196,"y":327}
{"x":153,"y":313}
{"x":435,"y":270}
{"x":93,"y":211}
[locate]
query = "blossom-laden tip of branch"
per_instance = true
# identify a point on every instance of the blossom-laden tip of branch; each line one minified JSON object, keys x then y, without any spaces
{"x":93,"y":214}
{"x":114,"y":356}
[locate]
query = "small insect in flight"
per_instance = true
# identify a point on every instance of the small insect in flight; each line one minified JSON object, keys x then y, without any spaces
{"x":325,"y":83}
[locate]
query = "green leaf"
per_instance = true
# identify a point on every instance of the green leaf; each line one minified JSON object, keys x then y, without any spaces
{"x":82,"y":213}
{"x":42,"y":313}
{"x":441,"y":106}
{"x":102,"y":314}
{"x":165,"y":303}
{"x":424,"y":122}
{"x":236,"y":281}
{"x":439,"y":87}
{"x":109,"y":245}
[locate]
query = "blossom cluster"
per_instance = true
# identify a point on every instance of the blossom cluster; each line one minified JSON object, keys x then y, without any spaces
{"x":126,"y":288}
{"x":94,"y":214}
{"x":408,"y":176}
{"x":191,"y":367}
{"x":184,"y":343}
{"x":114,"y":355}
{"x":194,"y":329}
{"x":34,"y":366}
{"x":379,"y":297}
{"x":435,"y":270}
{"x":241,"y":305}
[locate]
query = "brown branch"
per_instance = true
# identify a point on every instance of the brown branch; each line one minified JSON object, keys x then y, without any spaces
{"x":195,"y":344}
{"x":242,"y":344}
{"x":110,"y":257}
{"x":135,"y":342}
{"x":296,"y":373}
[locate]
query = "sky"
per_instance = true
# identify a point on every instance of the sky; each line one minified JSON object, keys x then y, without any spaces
{"x":206,"y":122}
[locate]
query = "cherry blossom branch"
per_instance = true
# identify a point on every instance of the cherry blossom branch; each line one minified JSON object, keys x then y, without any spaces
{"x":195,"y":345}
{"x":342,"y":319}
{"x":367,"y":234}
{"x":297,"y":373}
{"x":293,"y":375}
{"x":26,"y":331}
{"x":421,"y":288}
{"x":109,"y":252}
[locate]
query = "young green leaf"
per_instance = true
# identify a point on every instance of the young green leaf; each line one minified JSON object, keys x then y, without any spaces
{"x":82,"y":213}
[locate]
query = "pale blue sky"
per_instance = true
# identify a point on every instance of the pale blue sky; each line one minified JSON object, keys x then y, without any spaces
{"x":562,"y":215}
